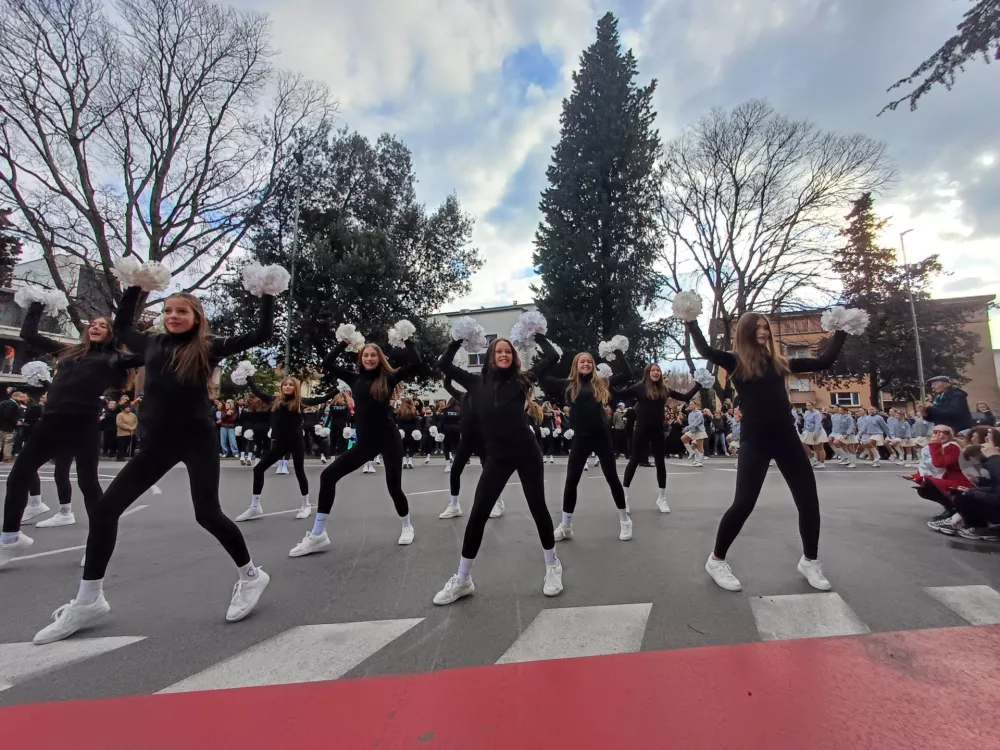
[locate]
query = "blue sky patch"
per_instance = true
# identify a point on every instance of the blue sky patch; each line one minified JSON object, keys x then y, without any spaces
{"x":530,"y":64}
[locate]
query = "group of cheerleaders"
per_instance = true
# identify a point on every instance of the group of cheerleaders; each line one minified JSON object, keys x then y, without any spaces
{"x":494,"y":421}
{"x":860,"y":436}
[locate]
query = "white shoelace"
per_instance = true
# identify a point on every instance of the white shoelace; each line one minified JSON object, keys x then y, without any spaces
{"x":453,"y":583}
{"x":58,"y":614}
{"x":238,"y":589}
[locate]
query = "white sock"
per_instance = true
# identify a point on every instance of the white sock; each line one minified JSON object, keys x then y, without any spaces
{"x":622,"y":515}
{"x":567,"y":519}
{"x":452,"y":500}
{"x":34,"y":500}
{"x":255,"y":501}
{"x":89,"y":591}
{"x":661,"y":493}
{"x":406,"y":521}
{"x":319,"y":524}
{"x":626,"y":493}
{"x":8,"y":537}
{"x":550,"y":556}
{"x":65,"y":510}
{"x":305,"y":501}
{"x":248,"y":572}
{"x":464,"y":568}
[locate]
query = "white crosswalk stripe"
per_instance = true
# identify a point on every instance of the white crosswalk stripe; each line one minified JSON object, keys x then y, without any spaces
{"x":23,"y":661}
{"x":790,"y":616}
{"x":305,"y":654}
{"x":580,"y":631}
{"x":977,"y":605}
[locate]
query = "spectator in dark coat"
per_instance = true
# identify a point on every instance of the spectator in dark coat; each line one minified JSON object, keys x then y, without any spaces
{"x":950,"y":405}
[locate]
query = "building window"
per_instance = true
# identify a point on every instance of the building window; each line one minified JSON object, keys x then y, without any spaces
{"x":799,"y":384}
{"x":798,"y":352}
{"x":845,"y":399}
{"x":478,"y":360}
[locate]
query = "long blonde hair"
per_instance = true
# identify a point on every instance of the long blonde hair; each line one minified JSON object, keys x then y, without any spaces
{"x":654,"y":390}
{"x":406,"y":409}
{"x":191,"y":359}
{"x":293,"y":404}
{"x":380,"y":384}
{"x":530,"y":405}
{"x":602,"y":393}
{"x":752,"y":359}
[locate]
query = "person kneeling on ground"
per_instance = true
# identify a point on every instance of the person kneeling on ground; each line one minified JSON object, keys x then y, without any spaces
{"x":977,"y":509}
{"x":939,"y":472}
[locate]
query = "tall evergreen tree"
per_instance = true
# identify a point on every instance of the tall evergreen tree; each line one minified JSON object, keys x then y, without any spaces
{"x":596,"y":244}
{"x":886,"y":352}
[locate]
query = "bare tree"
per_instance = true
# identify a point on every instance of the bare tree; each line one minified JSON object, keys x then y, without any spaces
{"x":158,"y":129}
{"x":752,"y":204}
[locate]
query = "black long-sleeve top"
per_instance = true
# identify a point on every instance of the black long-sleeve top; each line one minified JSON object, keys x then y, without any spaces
{"x":79,"y":383}
{"x":168,"y":400}
{"x":499,"y":400}
{"x":468,"y":423}
{"x":650,"y":412}
{"x":368,"y":412}
{"x":764,"y":400}
{"x":408,"y":424}
{"x":285,"y":423}
{"x":338,"y":416}
{"x":588,"y":413}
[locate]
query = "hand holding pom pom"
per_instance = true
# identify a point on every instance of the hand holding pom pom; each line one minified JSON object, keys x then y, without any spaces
{"x":400,"y":333}
{"x":433,"y":431}
{"x":416,"y":435}
{"x":568,"y":434}
{"x":347,"y":433}
{"x":248,"y":434}
{"x":687,"y":306}
{"x":704,"y":378}
{"x":125,"y":270}
{"x":152,"y":277}
{"x":343,"y":387}
{"x":470,"y":333}
{"x":325,"y":432}
{"x":402,"y":434}
{"x":620,"y":343}
{"x":546,"y":432}
{"x":318,"y":429}
{"x":241,"y":372}
{"x":606,"y":351}
{"x":439,"y":437}
{"x":853,"y":321}
{"x":238,"y":431}
{"x":261,"y":280}
{"x":529,"y":325}
{"x":605,"y":371}
{"x":36,"y":373}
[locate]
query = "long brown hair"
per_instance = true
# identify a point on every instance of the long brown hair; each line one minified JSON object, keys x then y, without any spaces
{"x":658,"y":389}
{"x":407,"y":410}
{"x":602,"y":394}
{"x":293,"y":404}
{"x":752,"y":359}
{"x":530,"y":405}
{"x":380,"y":384}
{"x":85,"y":345}
{"x":191,"y":361}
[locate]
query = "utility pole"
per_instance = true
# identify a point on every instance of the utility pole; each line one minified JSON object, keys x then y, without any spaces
{"x":913,"y":314}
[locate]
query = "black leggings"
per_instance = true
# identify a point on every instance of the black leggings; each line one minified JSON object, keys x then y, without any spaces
{"x":644,"y":438}
{"x":64,"y":489}
{"x":495,"y":475}
{"x":980,"y":510}
{"x":466,"y":447}
{"x":452,"y":437}
{"x":64,"y":438}
{"x":782,"y":443}
{"x":294,"y":444}
{"x":194,"y":445}
{"x":384,"y":441}
{"x":579,"y":452}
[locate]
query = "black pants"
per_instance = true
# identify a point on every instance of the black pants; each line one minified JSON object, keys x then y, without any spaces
{"x":110,"y":442}
{"x":495,"y":475}
{"x":381,"y":440}
{"x":466,"y":447}
{"x":294,"y":444}
{"x":196,"y":446}
{"x":978,"y":511}
{"x":549,"y":446}
{"x":782,"y":443}
{"x":452,"y":437}
{"x":928,"y":491}
{"x":125,"y":446}
{"x":63,"y":438}
{"x":410,"y":446}
{"x":620,"y":442}
{"x":337,"y":442}
{"x":645,"y":438}
{"x":579,"y":452}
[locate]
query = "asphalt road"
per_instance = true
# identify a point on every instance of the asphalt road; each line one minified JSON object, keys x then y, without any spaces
{"x":169,"y":583}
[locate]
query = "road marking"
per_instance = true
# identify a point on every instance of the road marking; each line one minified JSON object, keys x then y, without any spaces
{"x":669,"y":474}
{"x":309,"y":653}
{"x":129,"y":512}
{"x":568,"y":632}
{"x":279,"y":512}
{"x":977,"y":605}
{"x":23,"y":661}
{"x":426,"y":492}
{"x":790,"y":616}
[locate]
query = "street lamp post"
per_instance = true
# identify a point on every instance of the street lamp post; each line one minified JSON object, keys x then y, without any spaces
{"x":913,"y":314}
{"x":291,"y":282}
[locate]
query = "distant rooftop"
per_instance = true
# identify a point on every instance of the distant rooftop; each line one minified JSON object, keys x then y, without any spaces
{"x":473,"y":310}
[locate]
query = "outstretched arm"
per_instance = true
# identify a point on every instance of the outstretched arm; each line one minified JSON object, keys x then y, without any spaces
{"x":229,"y":345}
{"x":124,"y":330}
{"x":452,"y":390}
{"x":332,"y":369}
{"x":267,"y":398}
{"x":30,"y":334}
{"x":446,"y":364}
{"x":317,"y":400}
{"x":824,"y":362}
{"x":548,"y":359}
{"x":716,"y":356}
{"x":685,"y":397}
{"x":410,"y":367}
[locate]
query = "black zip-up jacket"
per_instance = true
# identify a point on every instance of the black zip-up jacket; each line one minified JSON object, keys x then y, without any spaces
{"x":764,"y":400}
{"x":369,"y":413}
{"x":588,"y":414}
{"x":468,"y":423}
{"x":499,"y":400}
{"x":79,"y":383}
{"x":285,"y":423}
{"x":650,"y":412}
{"x":170,"y":402}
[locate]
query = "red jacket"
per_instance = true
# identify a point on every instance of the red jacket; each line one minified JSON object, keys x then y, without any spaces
{"x":944,"y":457}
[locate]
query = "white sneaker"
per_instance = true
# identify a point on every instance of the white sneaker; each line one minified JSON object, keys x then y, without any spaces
{"x":310,"y":544}
{"x":304,"y":512}
{"x":850,"y":465}
{"x":454,"y":590}
{"x":813,"y":572}
{"x":698,"y":463}
{"x":83,"y":561}
{"x":586,"y":466}
{"x":661,"y":503}
{"x":11,"y":550}
{"x":427,"y":460}
{"x":821,"y":466}
{"x":447,"y":467}
{"x":722,"y":574}
{"x":254,"y":511}
{"x":71,"y":617}
{"x":246,"y":594}
{"x":452,"y":511}
{"x":563,"y":531}
{"x":59,"y":519}
{"x":876,"y":464}
{"x":498,"y":509}
{"x":378,"y":460}
{"x":626,"y":532}
{"x":34,"y":511}
{"x":553,"y":586}
{"x":323,"y":459}
{"x":406,"y":535}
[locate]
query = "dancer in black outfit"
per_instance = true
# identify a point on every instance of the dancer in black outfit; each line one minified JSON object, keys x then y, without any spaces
{"x":33,"y":413}
{"x":178,"y":426}
{"x":69,"y":428}
{"x":587,"y":393}
{"x":451,"y":427}
{"x":373,"y":385}
{"x":651,"y":395}
{"x":286,"y":437}
{"x":500,"y":397}
{"x":338,"y":418}
{"x":408,"y":420}
{"x":758,"y":372}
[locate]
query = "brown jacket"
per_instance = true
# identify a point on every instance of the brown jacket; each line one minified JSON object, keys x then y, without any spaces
{"x":126,"y":423}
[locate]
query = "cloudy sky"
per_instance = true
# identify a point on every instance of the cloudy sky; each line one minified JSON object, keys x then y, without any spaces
{"x":475,"y":88}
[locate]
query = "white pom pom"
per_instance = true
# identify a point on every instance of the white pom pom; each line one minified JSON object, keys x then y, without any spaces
{"x":402,"y":434}
{"x":317,"y":429}
{"x":605,"y":371}
{"x":687,"y":306}
{"x":343,"y":387}
{"x":152,"y":277}
{"x":345,"y":332}
{"x":238,"y":431}
{"x":416,"y":435}
{"x":439,"y":437}
{"x":260,"y":280}
{"x":470,"y":333}
{"x":546,"y":432}
{"x":606,"y":351}
{"x":55,"y":302}
{"x":241,"y":372}
{"x":400,"y":333}
{"x":357,"y":342}
{"x":620,"y":343}
{"x":433,"y":431}
{"x":568,"y":434}
{"x":269,"y":433}
{"x":36,"y":373}
{"x":556,"y":432}
{"x":126,"y":268}
{"x":248,"y":434}
{"x":27,"y":295}
{"x":347,"y":433}
{"x":325,"y":432}
{"x":557,"y":348}
{"x":853,"y":321}
{"x":704,"y":378}
{"x":530,"y":324}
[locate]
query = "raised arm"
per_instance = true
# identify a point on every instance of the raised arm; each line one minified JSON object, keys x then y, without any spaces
{"x":548,"y":359}
{"x":332,"y":368}
{"x":264,"y":396}
{"x":30,"y":334}
{"x":410,"y":367}
{"x":823,"y":362}
{"x":317,"y":400}
{"x":229,"y":345}
{"x":452,"y":390}
{"x":446,"y":363}
{"x":124,"y":330}
{"x":685,"y":397}
{"x":725,"y":360}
